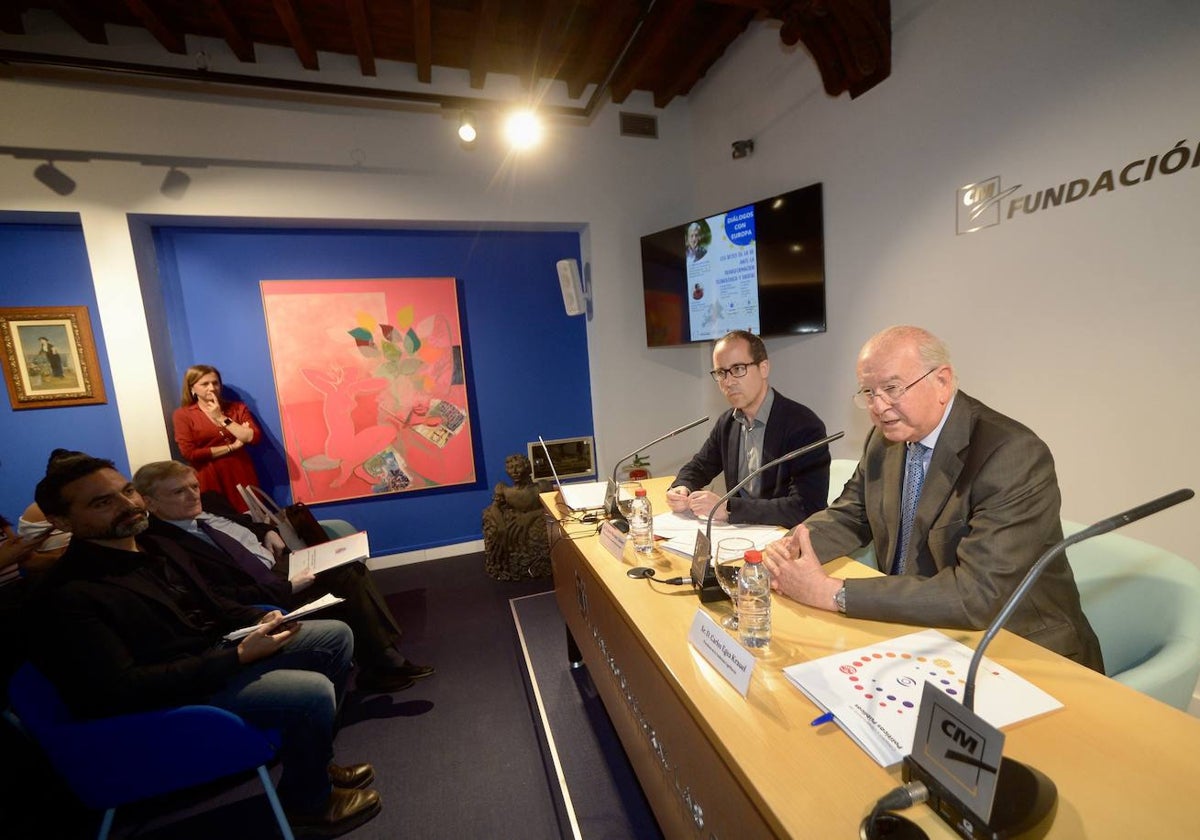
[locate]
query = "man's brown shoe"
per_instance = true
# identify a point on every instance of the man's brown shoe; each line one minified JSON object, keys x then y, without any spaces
{"x":344,"y":811}
{"x":352,"y":776}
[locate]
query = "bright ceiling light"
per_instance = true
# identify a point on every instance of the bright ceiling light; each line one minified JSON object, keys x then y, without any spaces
{"x":466,"y":128}
{"x":523,"y":129}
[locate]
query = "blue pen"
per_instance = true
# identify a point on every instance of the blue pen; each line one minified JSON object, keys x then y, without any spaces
{"x":825,"y":718}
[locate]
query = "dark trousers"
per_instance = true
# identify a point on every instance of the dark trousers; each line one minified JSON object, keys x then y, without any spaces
{"x":365,"y":610}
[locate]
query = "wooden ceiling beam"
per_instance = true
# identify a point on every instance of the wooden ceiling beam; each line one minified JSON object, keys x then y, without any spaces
{"x":850,"y":40}
{"x":360,"y":31}
{"x":550,"y":23}
{"x":659,"y":32}
{"x":605,"y":45}
{"x":285,"y":10}
{"x":481,"y":50}
{"x":171,"y":40}
{"x":733,"y":22}
{"x":423,"y":40}
{"x":82,"y":19}
{"x":241,"y":45}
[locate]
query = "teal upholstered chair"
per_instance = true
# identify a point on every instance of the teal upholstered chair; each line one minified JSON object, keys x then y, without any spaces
{"x":1144,"y":604}
{"x":840,"y":470}
{"x":336,"y":528}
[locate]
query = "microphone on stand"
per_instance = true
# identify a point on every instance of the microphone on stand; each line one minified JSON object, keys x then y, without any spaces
{"x":1023,"y":796}
{"x":610,"y":496}
{"x":703,"y":577}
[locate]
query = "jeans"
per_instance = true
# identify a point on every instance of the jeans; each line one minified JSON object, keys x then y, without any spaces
{"x":296,"y":691}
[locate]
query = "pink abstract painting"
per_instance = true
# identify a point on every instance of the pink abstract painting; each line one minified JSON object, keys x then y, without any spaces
{"x":370,"y":383}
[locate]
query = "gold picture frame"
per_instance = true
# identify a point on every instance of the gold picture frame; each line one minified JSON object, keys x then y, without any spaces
{"x":49,"y":357}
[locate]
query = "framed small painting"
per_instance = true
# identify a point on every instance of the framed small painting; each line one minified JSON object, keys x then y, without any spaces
{"x":49,"y":357}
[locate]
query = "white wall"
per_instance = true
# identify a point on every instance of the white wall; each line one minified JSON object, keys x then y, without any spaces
{"x":1080,"y":320}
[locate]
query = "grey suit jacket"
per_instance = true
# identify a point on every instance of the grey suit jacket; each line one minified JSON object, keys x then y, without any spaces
{"x":988,"y":509}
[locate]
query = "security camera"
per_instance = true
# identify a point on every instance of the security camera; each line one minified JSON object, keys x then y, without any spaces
{"x":742,"y":148}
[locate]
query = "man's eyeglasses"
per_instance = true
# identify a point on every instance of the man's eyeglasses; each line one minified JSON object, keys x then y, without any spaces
{"x":736,"y":371}
{"x":890,"y":395}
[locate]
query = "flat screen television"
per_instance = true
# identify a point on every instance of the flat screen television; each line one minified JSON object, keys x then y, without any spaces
{"x":760,"y":267}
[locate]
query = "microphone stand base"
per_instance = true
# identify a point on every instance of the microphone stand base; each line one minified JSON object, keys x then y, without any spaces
{"x":1024,"y":806}
{"x":711,"y":592}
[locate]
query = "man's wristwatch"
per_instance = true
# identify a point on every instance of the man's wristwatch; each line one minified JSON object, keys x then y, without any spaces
{"x":840,"y":599}
{"x":227,"y":421}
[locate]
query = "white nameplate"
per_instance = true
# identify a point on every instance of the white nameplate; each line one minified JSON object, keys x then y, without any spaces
{"x":722,"y":651}
{"x":613,"y":540}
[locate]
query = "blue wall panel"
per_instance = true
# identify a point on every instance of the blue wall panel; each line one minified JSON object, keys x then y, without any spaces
{"x":47,"y":265}
{"x":526,"y":360}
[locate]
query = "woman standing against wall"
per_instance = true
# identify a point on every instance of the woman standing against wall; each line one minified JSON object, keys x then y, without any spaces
{"x":212,"y":435}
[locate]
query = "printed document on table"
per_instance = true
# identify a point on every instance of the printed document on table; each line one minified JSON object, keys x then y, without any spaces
{"x":874,"y":692}
{"x":318,"y":558}
{"x":681,"y":529}
{"x":311,"y":607}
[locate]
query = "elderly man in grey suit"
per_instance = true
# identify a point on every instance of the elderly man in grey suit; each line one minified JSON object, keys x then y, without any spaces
{"x":982,"y":504}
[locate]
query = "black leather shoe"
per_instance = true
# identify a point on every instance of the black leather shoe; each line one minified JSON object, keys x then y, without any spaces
{"x":377,"y":682}
{"x":344,"y":811}
{"x":352,"y":776}
{"x":414,"y":671}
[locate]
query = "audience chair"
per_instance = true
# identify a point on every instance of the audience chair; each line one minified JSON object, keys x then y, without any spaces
{"x":114,"y":761}
{"x":336,"y":528}
{"x":1144,"y":604}
{"x":840,"y":470}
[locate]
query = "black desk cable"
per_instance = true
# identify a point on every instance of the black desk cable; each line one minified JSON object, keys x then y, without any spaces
{"x":880,"y":824}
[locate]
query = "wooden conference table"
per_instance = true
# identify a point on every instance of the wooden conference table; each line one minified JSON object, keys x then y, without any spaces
{"x":716,"y":765}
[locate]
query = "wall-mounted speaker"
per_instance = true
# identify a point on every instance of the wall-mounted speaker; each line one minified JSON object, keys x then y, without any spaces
{"x":571,"y":283}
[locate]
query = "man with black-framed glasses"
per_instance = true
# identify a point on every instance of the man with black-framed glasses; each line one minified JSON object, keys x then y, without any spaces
{"x":958,"y":500}
{"x":761,"y":425}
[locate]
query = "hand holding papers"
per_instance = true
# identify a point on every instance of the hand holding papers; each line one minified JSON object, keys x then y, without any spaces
{"x":300,"y":612}
{"x":318,"y":558}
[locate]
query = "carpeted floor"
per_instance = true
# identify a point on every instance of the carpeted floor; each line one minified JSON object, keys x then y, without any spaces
{"x":600,"y":793}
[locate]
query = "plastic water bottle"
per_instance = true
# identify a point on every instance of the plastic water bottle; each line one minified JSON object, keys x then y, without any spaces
{"x":754,"y":602}
{"x":641,"y":523}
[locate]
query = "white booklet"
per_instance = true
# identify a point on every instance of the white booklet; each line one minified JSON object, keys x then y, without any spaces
{"x":311,"y":607}
{"x":318,"y":558}
{"x":874,"y":692}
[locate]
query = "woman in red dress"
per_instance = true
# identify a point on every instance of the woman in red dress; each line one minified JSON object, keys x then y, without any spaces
{"x":212,"y":435}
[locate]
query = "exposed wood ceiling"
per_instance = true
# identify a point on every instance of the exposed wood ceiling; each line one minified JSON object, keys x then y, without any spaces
{"x":610,"y":47}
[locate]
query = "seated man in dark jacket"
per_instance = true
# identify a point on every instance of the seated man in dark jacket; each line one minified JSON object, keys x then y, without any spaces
{"x":119,"y":629}
{"x":237,"y":566}
{"x":761,"y":426}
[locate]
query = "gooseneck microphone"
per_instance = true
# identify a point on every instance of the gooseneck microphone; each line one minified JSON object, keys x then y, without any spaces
{"x":795,"y":453}
{"x":700,"y":565}
{"x":1102,"y":527}
{"x":683,"y":428}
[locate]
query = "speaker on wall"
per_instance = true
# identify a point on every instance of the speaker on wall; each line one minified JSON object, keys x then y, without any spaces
{"x":571,"y":284}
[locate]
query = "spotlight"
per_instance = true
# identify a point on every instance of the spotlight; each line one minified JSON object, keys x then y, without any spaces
{"x":175,"y":183}
{"x":523,"y":129}
{"x":466,"y":128}
{"x":54,"y":178}
{"x":742,"y":148}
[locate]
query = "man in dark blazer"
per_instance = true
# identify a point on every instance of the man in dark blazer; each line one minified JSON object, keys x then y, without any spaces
{"x":236,"y":565}
{"x":988,"y":508}
{"x":761,"y":425}
{"x":119,"y":629}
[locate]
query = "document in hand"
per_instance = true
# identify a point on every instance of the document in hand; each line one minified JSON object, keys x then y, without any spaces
{"x":874,"y":692}
{"x":311,"y":607}
{"x":337,"y":552}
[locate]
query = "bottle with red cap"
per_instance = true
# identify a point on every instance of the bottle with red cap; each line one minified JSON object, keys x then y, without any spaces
{"x":754,"y":602}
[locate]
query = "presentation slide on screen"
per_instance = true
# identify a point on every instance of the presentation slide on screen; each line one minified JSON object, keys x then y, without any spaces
{"x":722,"y":274}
